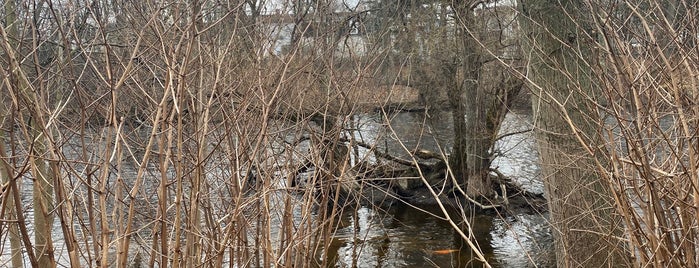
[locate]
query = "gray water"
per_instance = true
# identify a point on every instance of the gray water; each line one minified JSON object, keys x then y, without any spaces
{"x":403,"y":236}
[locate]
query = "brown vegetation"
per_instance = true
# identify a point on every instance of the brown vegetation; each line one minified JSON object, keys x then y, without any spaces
{"x":187,"y":133}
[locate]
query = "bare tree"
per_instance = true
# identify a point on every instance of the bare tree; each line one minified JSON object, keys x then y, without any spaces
{"x":480,"y":93}
{"x":587,"y":228}
{"x":459,"y":56}
{"x":9,"y":207}
{"x":36,"y":129}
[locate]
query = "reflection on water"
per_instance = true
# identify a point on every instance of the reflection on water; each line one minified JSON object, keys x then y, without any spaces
{"x":518,"y":157}
{"x":406,"y":237}
{"x":403,"y":236}
{"x":522,"y":241}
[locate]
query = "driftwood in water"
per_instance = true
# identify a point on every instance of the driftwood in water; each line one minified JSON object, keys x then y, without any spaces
{"x":433,"y":167}
{"x":393,"y":177}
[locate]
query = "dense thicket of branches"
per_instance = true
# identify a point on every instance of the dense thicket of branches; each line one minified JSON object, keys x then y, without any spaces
{"x":631,"y":67}
{"x":200,"y":132}
{"x":175,"y":132}
{"x":166,"y":129}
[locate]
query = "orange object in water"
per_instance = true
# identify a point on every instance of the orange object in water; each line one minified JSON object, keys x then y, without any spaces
{"x":445,"y":251}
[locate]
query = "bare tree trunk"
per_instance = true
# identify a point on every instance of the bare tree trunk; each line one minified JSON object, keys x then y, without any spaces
{"x":43,"y":185}
{"x":10,"y":213}
{"x":586,"y":226}
{"x":472,"y":139}
{"x":36,"y":134}
{"x":15,"y":240}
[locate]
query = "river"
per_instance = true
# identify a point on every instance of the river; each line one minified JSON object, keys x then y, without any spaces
{"x":404,"y":236}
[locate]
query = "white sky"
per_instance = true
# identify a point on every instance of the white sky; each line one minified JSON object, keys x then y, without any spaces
{"x":274,"y":6}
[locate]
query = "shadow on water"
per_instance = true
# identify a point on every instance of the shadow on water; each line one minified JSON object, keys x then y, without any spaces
{"x":405,"y":236}
{"x":402,"y":237}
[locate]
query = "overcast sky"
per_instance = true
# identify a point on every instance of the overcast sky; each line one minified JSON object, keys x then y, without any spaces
{"x":274,"y":6}
{"x":279,"y":6}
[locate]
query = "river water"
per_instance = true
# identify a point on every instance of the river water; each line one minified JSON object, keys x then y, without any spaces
{"x":404,"y":236}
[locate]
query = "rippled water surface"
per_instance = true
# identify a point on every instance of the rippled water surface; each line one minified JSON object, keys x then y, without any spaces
{"x":403,"y":236}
